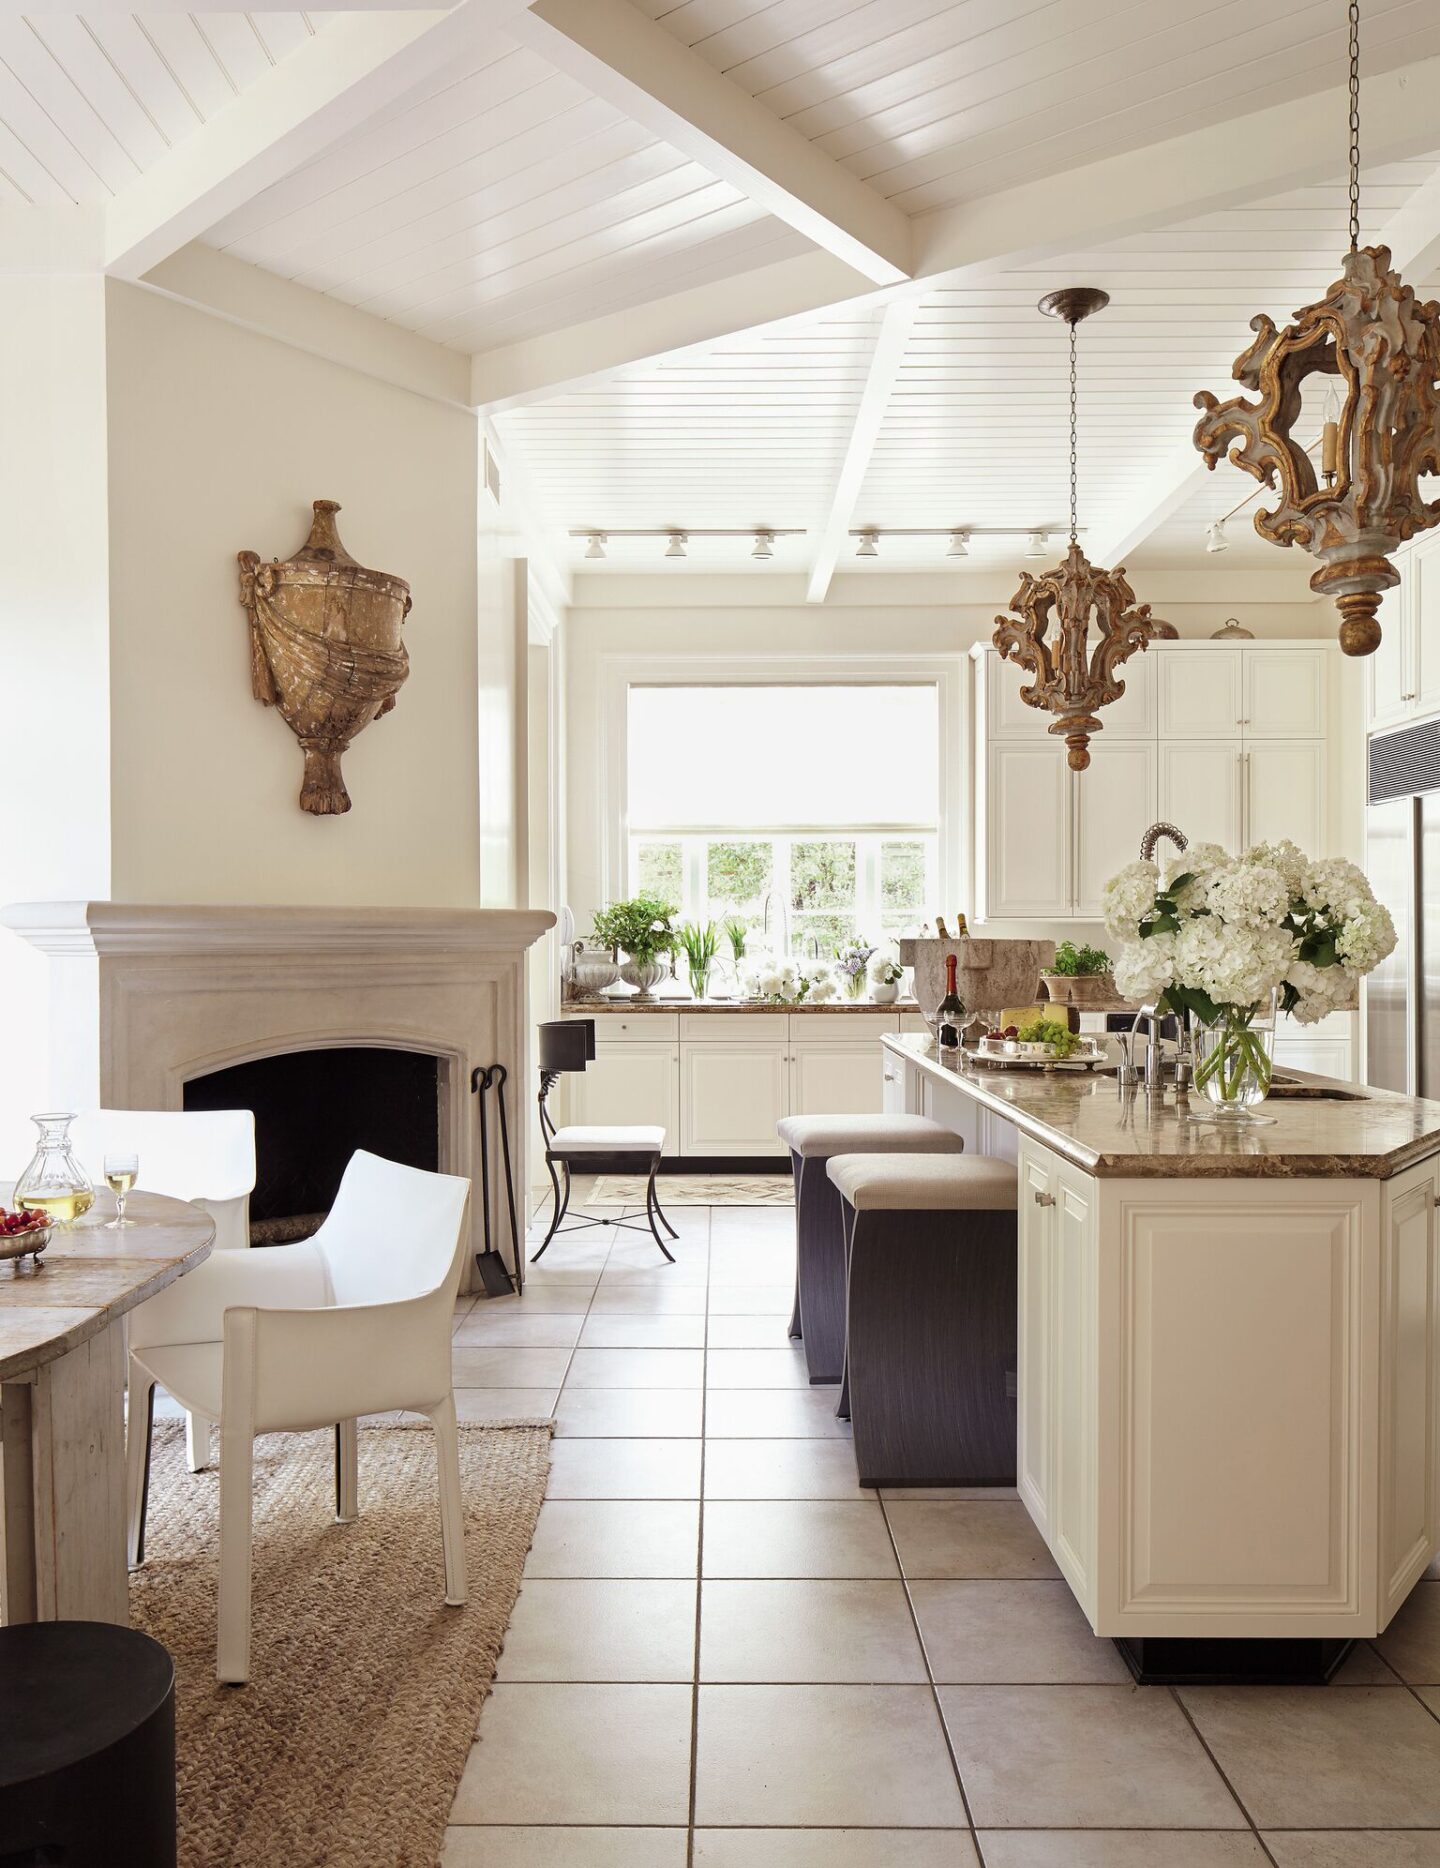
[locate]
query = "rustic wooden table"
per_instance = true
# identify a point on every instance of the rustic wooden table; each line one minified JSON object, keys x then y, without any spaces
{"x":62,"y":1402}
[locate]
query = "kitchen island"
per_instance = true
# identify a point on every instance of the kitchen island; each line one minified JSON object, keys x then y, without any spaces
{"x":1228,"y":1379}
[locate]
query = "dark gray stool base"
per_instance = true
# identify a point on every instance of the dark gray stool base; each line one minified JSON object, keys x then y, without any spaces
{"x":87,"y":1747}
{"x":931,"y":1346}
{"x":819,"y":1319}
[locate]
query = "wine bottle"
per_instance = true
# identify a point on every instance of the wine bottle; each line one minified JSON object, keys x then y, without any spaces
{"x":962,"y":928}
{"x":940,"y":927}
{"x":951,"y":1009}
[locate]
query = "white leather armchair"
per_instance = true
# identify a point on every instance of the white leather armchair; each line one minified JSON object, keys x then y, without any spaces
{"x":354,"y":1321}
{"x":206,"y":1156}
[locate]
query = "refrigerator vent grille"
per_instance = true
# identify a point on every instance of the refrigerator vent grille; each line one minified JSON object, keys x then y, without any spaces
{"x":1402,"y":764}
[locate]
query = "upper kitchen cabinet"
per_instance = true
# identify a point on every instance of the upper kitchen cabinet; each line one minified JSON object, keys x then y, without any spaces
{"x":1402,"y":677}
{"x":1227,"y":743}
{"x":1233,"y":693}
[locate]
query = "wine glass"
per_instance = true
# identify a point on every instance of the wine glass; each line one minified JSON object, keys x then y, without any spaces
{"x":120,"y":1173}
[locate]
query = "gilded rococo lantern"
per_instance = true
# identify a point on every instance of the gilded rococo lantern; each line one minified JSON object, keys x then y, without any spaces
{"x":1371,"y":334}
{"x":1072,"y":680}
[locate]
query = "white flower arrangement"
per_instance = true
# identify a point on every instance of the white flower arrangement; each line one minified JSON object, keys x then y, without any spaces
{"x":886,"y":970}
{"x":1216,"y":934}
{"x":764,"y":976}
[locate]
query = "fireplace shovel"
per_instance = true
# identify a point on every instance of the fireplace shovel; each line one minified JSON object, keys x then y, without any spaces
{"x":494,"y":1274}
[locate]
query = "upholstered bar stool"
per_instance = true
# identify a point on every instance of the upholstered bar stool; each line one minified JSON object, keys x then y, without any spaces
{"x":931,"y":1316}
{"x":819,"y":1316}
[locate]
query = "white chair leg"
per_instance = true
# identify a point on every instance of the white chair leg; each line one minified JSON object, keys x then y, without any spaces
{"x":347,"y":1471}
{"x":452,"y":1503}
{"x":197,"y":1442}
{"x":138,"y":1429}
{"x":237,"y":1477}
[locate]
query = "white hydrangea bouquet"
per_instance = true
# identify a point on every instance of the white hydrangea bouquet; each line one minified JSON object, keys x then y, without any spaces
{"x":781,"y":982}
{"x":1222,"y":937}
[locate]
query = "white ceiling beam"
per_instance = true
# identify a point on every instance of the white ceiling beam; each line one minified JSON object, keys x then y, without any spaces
{"x":309,"y":100}
{"x":691,"y":319}
{"x":886,"y":359}
{"x":632,"y":62}
{"x":1412,"y":233}
{"x":1247,"y":159}
{"x":1168,"y":489}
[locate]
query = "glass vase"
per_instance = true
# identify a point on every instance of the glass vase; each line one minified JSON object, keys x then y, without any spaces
{"x":855,"y":984}
{"x":700,"y":980}
{"x":54,"y":1183}
{"x":1234,"y":1059}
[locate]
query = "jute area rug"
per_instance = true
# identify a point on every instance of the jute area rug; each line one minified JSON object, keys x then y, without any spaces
{"x":346,"y":1748}
{"x":696,"y":1190}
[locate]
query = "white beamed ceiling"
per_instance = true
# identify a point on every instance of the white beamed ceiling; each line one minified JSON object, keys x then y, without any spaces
{"x":976,"y":429}
{"x":89,"y":101}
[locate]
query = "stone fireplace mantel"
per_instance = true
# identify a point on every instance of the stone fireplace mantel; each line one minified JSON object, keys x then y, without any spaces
{"x":143,"y":997}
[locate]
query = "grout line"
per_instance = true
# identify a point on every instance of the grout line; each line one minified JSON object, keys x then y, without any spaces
{"x":699,"y":1568}
{"x":1189,"y":1719}
{"x":934,"y":1690}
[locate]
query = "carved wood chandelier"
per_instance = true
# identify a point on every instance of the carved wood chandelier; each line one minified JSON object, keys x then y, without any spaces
{"x":1372,"y":333}
{"x":1072,"y":680}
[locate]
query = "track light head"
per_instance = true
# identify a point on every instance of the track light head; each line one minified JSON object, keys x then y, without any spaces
{"x":764,"y":545}
{"x":869,"y":546}
{"x":1215,"y":539}
{"x":596,"y":547}
{"x":959,"y":546}
{"x":1035,"y":545}
{"x":676,"y":547}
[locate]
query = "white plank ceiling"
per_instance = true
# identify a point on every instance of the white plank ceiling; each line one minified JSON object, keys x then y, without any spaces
{"x":935,"y":101}
{"x":497,"y":201}
{"x":88,"y":101}
{"x":976,"y":429}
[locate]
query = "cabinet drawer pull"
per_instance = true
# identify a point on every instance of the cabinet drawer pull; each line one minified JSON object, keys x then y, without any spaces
{"x":1044,"y":1199}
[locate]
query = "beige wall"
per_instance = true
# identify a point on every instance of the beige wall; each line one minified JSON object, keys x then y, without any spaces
{"x":618,"y":614}
{"x":219,"y":439}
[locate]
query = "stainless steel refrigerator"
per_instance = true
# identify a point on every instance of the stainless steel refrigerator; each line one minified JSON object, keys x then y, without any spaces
{"x":1402,"y":858}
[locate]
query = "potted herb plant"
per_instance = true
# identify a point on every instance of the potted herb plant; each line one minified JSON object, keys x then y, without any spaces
{"x":699,"y":942}
{"x":1080,"y":976}
{"x":641,"y":929}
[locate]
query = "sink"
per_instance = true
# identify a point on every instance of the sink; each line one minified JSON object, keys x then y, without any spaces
{"x":1290,"y":1089}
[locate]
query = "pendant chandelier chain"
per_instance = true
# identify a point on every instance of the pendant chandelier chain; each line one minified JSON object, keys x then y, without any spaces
{"x":1354,"y":125}
{"x":1074,"y":530}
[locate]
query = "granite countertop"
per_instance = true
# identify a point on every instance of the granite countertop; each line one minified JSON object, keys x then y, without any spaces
{"x":587,"y":1008}
{"x":1089,"y":1120}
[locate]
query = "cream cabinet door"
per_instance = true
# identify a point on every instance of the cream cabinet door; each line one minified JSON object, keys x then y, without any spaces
{"x":1116,"y":801}
{"x":1074,"y":1496}
{"x":731,"y":1096}
{"x":630,"y":1081}
{"x":1409,"y":1357}
{"x":1036,"y":1229}
{"x":1200,"y":692}
{"x":833,"y":1079}
{"x":1424,"y":572}
{"x":1284,"y":791}
{"x":1388,"y":684}
{"x":1284,"y":693}
{"x":1200,"y":790}
{"x":1027,"y":832}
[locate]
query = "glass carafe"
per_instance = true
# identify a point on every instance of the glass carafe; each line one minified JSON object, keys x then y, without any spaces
{"x":54,"y":1182}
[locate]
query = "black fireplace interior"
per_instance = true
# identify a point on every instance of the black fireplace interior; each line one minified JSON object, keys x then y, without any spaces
{"x":313,"y":1109}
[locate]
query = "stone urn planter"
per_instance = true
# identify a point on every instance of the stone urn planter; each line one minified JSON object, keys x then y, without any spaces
{"x":644,"y":976}
{"x":991,"y":975}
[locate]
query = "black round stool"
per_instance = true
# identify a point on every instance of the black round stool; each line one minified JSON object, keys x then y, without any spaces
{"x":87,"y":1747}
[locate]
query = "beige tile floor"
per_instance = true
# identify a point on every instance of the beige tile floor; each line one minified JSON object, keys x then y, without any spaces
{"x":726,"y":1654}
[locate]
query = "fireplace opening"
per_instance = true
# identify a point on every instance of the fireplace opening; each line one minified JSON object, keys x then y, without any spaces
{"x":313,"y":1109}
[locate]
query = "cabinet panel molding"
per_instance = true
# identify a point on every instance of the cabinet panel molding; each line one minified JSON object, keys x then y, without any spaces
{"x":1409,"y":1429}
{"x":731,"y":1097}
{"x":1282,"y":1377}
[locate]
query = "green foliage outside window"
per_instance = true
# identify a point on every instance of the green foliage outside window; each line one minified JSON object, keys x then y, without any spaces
{"x":660,"y":871}
{"x":822,"y":875}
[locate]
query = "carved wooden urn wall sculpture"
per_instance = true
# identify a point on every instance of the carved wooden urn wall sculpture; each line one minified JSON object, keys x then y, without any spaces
{"x":1383,"y":345}
{"x":325,"y":648}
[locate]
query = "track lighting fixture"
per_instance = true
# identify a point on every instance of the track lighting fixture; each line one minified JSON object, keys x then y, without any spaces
{"x":959,"y":545}
{"x":1036,"y":547}
{"x":596,"y":547}
{"x":764,"y":545}
{"x":1215,"y":539}
{"x":869,"y":546}
{"x":676,"y":547}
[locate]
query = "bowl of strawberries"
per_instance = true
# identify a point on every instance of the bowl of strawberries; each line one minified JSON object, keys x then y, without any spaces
{"x":23,"y":1232}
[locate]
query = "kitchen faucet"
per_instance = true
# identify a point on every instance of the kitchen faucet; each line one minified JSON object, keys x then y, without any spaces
{"x":784,"y":919}
{"x":1154,"y":834}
